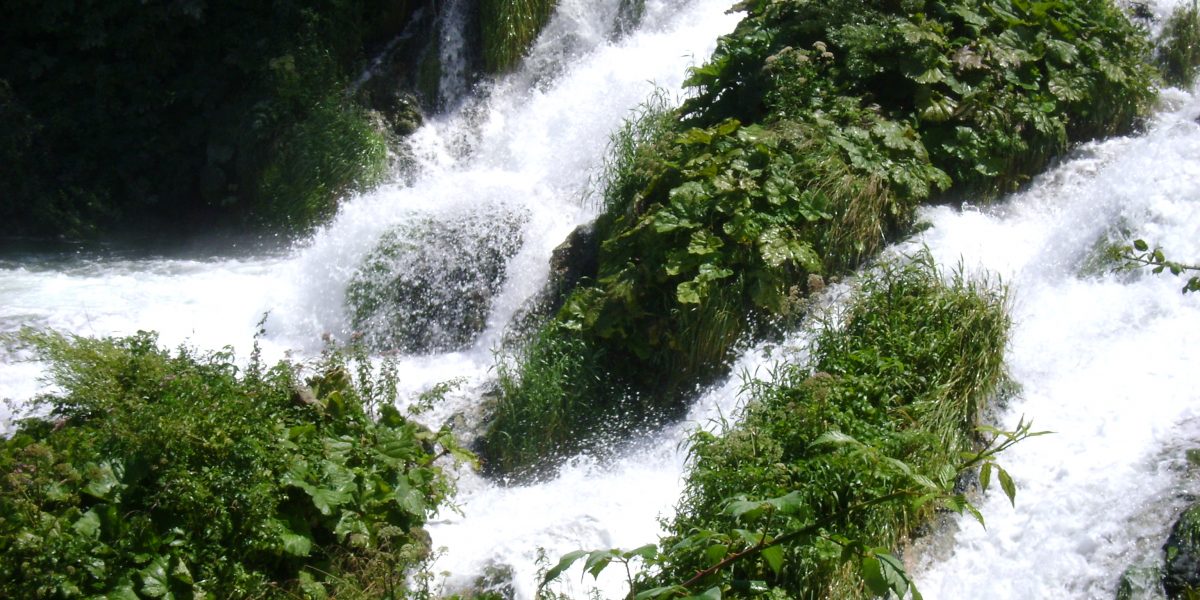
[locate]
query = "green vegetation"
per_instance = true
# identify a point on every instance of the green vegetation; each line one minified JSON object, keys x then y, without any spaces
{"x":508,"y":28}
{"x":123,"y":114}
{"x":1140,"y":255}
{"x":1178,"y":51}
{"x":166,"y":475}
{"x":837,"y":460}
{"x":816,"y":130}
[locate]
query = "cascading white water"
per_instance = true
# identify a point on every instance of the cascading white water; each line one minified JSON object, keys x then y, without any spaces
{"x":452,"y":52}
{"x":1104,"y":360}
{"x":1107,"y":361}
{"x":529,"y":145}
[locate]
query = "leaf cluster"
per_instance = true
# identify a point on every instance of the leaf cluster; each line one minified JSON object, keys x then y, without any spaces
{"x":1139,"y":254}
{"x":162,"y":475}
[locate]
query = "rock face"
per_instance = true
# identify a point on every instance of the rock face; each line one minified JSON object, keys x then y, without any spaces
{"x":1181,"y":578}
{"x":1140,"y":582}
{"x":428,"y":284}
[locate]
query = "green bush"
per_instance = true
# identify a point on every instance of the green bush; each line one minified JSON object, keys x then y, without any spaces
{"x":162,"y":474}
{"x":906,"y":374}
{"x":816,"y":130}
{"x":1178,"y":51}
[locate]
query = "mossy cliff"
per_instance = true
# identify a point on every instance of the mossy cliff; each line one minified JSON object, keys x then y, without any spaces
{"x":815,"y":131}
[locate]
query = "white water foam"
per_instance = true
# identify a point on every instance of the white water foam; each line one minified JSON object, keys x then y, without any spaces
{"x":1107,"y":361}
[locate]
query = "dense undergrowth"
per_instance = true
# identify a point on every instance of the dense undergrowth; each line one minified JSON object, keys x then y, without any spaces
{"x":122,"y":116}
{"x":815,"y":131}
{"x":837,"y":459}
{"x":161,"y":475}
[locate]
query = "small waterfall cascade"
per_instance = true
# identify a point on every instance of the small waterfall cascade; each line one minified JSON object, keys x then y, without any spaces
{"x":452,"y":49}
{"x":1105,"y":359}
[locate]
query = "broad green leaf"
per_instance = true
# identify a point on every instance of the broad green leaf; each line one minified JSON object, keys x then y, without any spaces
{"x":104,"y":480}
{"x":88,"y":525}
{"x":154,"y":578}
{"x":597,"y":560}
{"x":745,"y":508}
{"x":985,"y":476}
{"x":351,"y":524}
{"x":647,"y":552}
{"x":716,"y":553}
{"x":295,"y":544}
{"x":774,"y":558}
{"x":1006,"y":484}
{"x":125,"y":592}
{"x":870,"y":570}
{"x":688,"y":293}
{"x":704,"y":242}
{"x":564,"y":563}
{"x":409,"y":498}
{"x":712,"y":593}
{"x":326,"y":499}
{"x":790,"y":503}
{"x":657,"y":592}
{"x":181,"y":573}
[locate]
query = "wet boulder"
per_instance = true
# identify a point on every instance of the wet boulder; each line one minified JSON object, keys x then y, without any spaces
{"x":428,"y":285}
{"x":1181,"y":577}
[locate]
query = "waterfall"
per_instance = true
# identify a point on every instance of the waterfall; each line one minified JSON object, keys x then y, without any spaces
{"x":1104,"y":359}
{"x":452,"y":47}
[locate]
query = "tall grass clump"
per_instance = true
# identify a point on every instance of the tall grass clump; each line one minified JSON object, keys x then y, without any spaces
{"x":905,"y":374}
{"x":814,"y":132}
{"x":170,"y":474}
{"x":508,"y":28}
{"x":1178,"y":51}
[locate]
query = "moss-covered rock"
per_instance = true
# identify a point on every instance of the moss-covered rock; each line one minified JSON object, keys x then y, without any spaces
{"x":1140,"y":582}
{"x":1181,"y":576}
{"x":428,"y":284}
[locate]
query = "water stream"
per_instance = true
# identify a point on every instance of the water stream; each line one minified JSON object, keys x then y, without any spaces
{"x":1106,"y":360}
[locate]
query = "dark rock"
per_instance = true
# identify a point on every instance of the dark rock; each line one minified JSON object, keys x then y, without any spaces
{"x":1181,"y":578}
{"x":428,"y":284}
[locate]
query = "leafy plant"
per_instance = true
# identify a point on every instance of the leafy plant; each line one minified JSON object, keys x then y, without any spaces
{"x":165,"y":474}
{"x":1140,"y":255}
{"x":509,"y":28}
{"x":1178,"y":50}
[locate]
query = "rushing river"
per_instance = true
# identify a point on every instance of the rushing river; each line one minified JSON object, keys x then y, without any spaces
{"x":1108,"y":361}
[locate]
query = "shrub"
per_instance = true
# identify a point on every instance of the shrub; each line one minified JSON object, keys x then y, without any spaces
{"x":180,"y":474}
{"x":1178,"y":51}
{"x":905,"y":375}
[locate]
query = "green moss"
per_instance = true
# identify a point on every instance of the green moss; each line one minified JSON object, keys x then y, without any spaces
{"x":906,"y":374}
{"x":508,"y":28}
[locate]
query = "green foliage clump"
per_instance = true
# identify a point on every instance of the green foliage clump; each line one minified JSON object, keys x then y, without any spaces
{"x":879,"y":417}
{"x":178,"y":474}
{"x":121,"y":114}
{"x":508,"y":28}
{"x":1178,"y":51}
{"x":816,"y":130}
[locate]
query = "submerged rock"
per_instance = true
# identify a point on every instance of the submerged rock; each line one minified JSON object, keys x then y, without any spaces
{"x":428,"y":284}
{"x":1181,"y":578}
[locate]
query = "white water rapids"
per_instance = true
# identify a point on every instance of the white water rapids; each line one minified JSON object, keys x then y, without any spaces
{"x":1107,"y":361}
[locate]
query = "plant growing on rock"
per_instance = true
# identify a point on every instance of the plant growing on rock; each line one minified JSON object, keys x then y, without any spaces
{"x":815,"y":131}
